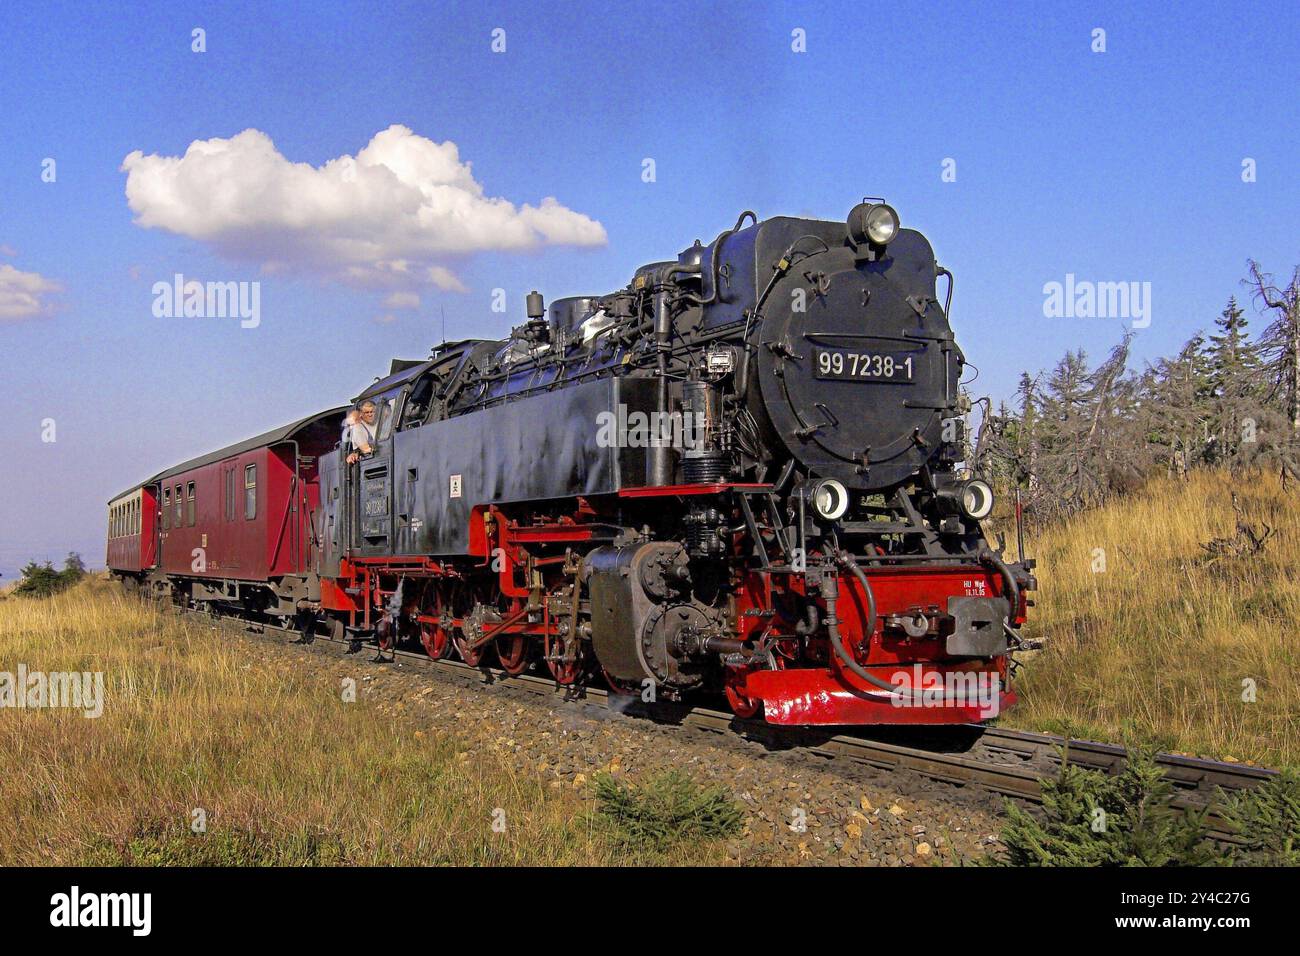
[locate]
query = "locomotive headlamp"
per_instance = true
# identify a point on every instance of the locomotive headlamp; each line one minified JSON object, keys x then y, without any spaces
{"x":977,"y":499}
{"x":830,"y":499}
{"x":972,"y":497}
{"x":873,"y":222}
{"x":882,"y":224}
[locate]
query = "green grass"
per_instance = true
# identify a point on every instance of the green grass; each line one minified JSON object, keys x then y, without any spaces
{"x":285,"y":771}
{"x":1166,"y":645}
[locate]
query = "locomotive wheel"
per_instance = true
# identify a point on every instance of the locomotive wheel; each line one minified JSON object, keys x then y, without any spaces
{"x":741,"y":705}
{"x":624,"y":688}
{"x":460,"y":601}
{"x":565,"y":673}
{"x":435,"y":641}
{"x":472,"y":657}
{"x":512,"y":652}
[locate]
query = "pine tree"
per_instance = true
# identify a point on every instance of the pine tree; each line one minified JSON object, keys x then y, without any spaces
{"x":1176,"y":407}
{"x":39,"y":580}
{"x":1081,"y":420}
{"x":1027,"y":433}
{"x":1092,"y":819}
{"x":1267,"y":821}
{"x":74,"y":569}
{"x":1234,"y":370}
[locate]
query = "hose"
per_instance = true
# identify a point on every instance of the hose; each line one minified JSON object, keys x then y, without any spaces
{"x":831,"y":591}
{"x":1010,"y":589}
{"x":810,"y":622}
{"x":716,"y":256}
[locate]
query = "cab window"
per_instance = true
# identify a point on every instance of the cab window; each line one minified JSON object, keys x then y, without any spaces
{"x":384,"y":427}
{"x":416,"y":409}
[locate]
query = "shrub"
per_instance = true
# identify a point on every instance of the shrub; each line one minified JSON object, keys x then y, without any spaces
{"x":1267,"y":819}
{"x":666,"y":809}
{"x":41,"y":580}
{"x":1090,"y":818}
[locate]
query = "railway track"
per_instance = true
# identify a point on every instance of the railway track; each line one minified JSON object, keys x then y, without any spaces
{"x":997,"y":759}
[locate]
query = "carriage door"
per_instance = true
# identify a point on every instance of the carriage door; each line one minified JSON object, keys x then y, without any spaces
{"x":156,"y":525}
{"x":374,"y":524}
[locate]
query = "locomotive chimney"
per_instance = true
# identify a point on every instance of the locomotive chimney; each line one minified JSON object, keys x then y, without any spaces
{"x":536,"y":307}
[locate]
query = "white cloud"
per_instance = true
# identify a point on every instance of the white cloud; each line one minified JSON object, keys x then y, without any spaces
{"x":24,"y":295}
{"x":399,"y":214}
{"x":402,"y":300}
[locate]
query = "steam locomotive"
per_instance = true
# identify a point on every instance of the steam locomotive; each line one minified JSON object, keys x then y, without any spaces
{"x":741,"y":474}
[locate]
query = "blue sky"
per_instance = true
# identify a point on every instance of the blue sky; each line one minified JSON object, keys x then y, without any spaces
{"x":1115,"y":166}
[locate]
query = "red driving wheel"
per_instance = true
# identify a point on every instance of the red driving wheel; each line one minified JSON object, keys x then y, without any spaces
{"x":742,"y":705}
{"x":434,"y":639}
{"x":512,"y":652}
{"x":564,"y":672}
{"x":472,"y":657}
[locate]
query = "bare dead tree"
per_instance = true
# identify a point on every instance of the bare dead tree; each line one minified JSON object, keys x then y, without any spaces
{"x":1280,"y":344}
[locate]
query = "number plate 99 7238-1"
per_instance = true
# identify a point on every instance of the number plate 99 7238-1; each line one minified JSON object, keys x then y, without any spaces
{"x":852,"y":365}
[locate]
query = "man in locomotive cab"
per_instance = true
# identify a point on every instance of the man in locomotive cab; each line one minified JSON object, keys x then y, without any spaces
{"x":362,"y":432}
{"x":351,"y":418}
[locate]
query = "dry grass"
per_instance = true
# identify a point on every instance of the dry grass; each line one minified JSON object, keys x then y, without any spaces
{"x":286,"y":771}
{"x":1158,"y":646}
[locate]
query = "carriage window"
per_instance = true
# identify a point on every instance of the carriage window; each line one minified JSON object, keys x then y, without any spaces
{"x":178,"y":517}
{"x":135,"y":517}
{"x":250,"y":491}
{"x":189,"y":504}
{"x":167,"y":508}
